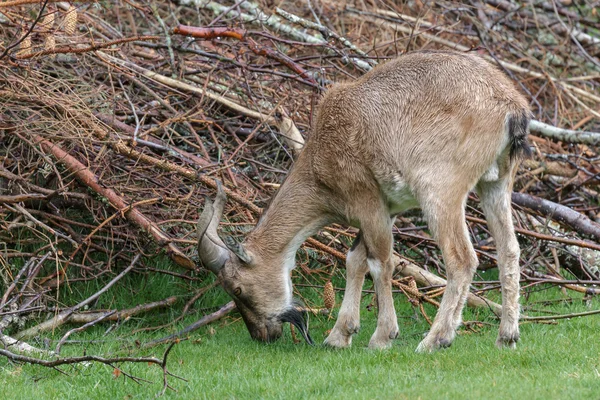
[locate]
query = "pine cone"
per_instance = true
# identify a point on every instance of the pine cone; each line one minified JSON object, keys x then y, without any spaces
{"x":50,"y":42}
{"x":329,"y":296}
{"x":413,"y":283}
{"x":25,"y":46}
{"x":48,"y":21}
{"x":71,"y":20}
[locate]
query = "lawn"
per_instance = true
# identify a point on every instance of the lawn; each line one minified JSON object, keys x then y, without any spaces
{"x":221,"y":361}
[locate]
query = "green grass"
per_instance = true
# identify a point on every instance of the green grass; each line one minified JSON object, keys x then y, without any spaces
{"x":221,"y":361}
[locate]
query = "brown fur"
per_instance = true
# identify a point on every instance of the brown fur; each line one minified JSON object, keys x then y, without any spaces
{"x":421,"y":130}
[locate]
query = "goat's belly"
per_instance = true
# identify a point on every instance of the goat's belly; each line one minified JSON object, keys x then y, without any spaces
{"x":399,"y":196}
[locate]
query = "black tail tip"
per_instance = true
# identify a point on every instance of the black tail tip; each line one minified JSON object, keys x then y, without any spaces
{"x":518,"y":129}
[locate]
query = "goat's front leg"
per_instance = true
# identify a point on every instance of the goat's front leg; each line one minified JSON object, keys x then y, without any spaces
{"x":378,"y":238}
{"x":387,"y":322}
{"x":348,"y":321}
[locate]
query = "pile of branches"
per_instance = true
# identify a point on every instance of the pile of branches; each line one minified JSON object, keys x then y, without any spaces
{"x":118,"y":118}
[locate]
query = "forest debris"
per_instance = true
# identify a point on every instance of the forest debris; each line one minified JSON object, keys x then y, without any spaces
{"x":86,"y":177}
{"x":64,"y":316}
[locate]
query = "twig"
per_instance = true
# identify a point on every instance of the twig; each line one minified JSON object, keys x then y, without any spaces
{"x":564,"y":316}
{"x":39,"y":223}
{"x":81,"y":328}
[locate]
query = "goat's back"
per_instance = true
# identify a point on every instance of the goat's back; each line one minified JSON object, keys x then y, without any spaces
{"x":422,"y":116}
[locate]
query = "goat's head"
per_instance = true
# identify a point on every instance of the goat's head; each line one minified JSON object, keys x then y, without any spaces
{"x":263,"y":298}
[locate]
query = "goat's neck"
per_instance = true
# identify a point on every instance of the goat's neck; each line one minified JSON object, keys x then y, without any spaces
{"x":295,"y":213}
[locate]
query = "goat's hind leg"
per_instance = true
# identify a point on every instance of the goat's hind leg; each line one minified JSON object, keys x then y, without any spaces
{"x":495,"y":202}
{"x":348,"y":321}
{"x":448,"y":224}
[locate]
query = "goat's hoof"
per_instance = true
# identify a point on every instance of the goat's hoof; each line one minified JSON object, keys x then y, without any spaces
{"x":352,"y":328}
{"x":382,"y":341}
{"x":380,"y":344}
{"x":429,"y":345}
{"x":507,"y":341}
{"x":338,"y":340}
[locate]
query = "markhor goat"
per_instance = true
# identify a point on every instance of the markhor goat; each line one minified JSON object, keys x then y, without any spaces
{"x":419,"y":131}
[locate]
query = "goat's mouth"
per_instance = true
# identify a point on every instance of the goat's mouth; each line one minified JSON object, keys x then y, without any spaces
{"x":295,"y":316}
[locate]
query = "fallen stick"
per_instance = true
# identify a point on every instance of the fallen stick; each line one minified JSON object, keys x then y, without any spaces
{"x":207,"y":319}
{"x":21,"y":347}
{"x":56,"y":362}
{"x":116,"y":315}
{"x":562,"y":316}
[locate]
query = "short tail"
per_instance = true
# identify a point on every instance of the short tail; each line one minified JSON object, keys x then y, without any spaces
{"x":518,"y":129}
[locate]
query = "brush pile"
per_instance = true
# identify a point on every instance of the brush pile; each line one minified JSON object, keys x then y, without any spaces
{"x":117,"y":118}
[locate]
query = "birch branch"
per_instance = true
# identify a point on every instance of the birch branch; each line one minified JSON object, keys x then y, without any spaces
{"x":565,"y":135}
{"x":21,"y":347}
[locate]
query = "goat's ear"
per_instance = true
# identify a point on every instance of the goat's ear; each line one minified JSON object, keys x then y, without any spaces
{"x":237,"y":249}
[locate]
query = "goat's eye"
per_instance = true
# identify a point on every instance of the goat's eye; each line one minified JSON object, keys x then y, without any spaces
{"x":237,"y":291}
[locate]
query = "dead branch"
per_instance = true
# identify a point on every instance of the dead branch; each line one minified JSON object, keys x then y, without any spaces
{"x":560,"y":213}
{"x":87,"y":49}
{"x":103,"y":360}
{"x":207,"y":319}
{"x":426,"y":278}
{"x":21,"y":347}
{"x":563,"y":316}
{"x":211,"y":33}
